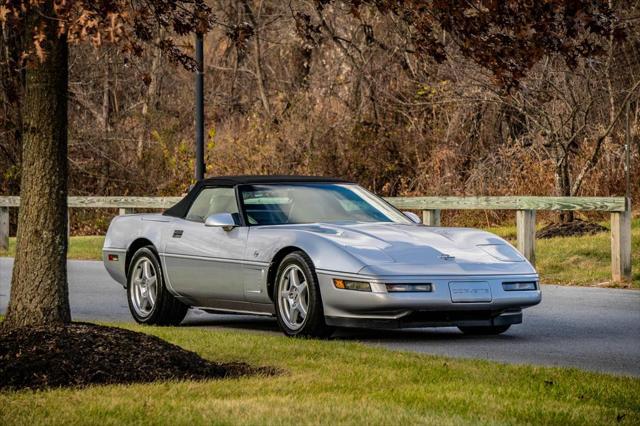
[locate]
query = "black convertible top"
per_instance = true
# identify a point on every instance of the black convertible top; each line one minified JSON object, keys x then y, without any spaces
{"x":249,"y":180}
{"x":181,"y":208}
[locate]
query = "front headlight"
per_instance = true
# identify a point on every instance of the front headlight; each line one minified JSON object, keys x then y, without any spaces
{"x":351,"y":285}
{"x":409,"y":288}
{"x":520,"y":286}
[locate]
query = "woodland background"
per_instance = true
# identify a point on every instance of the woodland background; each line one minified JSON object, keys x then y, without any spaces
{"x":291,"y":89}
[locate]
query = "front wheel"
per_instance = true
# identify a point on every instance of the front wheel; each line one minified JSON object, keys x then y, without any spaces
{"x":149,"y":300}
{"x":297,"y":298}
{"x":484,"y":331}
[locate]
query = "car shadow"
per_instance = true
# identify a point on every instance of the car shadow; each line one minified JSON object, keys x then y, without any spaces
{"x":231,"y":321}
{"x":430,"y":334}
{"x":268,"y":324}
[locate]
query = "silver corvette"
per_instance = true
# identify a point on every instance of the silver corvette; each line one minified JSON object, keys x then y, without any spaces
{"x":316,"y":253}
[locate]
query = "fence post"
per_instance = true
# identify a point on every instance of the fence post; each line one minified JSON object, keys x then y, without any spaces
{"x":4,"y":228}
{"x":431,"y":217}
{"x":122,"y":211}
{"x":526,"y":230}
{"x":621,"y":245}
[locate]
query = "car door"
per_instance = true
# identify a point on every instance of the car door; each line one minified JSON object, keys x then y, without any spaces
{"x":205,"y":264}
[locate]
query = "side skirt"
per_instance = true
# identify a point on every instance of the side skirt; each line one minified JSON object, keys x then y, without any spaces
{"x":231,"y":306}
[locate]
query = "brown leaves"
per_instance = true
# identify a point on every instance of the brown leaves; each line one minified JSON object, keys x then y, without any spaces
{"x":38,"y":41}
{"x":122,"y":22}
{"x":4,"y":11}
{"x":506,"y":37}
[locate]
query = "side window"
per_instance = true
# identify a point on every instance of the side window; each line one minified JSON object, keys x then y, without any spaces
{"x":211,"y":201}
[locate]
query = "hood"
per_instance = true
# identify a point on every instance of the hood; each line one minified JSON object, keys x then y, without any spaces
{"x":390,"y":249}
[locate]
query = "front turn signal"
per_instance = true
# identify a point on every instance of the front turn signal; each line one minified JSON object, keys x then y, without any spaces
{"x":351,"y":285}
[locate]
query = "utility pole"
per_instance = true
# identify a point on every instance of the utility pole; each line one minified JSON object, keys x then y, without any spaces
{"x":200,"y":166}
{"x":627,"y":155}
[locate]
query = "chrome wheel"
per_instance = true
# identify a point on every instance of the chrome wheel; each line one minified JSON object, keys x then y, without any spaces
{"x":144,"y":287}
{"x":293,"y":291}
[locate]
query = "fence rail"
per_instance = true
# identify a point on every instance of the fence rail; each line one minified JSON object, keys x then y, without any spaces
{"x":603,"y":204}
{"x":431,"y":207}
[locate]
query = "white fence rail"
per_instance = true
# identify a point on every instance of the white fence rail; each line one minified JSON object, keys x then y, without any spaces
{"x":431,"y":207}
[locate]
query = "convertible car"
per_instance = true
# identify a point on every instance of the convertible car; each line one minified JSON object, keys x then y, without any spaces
{"x":316,"y":253}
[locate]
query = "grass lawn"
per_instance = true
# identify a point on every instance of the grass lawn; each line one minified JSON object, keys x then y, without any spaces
{"x":81,"y":248}
{"x":572,"y":260}
{"x":579,"y":260}
{"x":338,"y":382}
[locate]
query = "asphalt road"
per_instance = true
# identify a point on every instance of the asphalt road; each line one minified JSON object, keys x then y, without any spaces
{"x":589,"y":328}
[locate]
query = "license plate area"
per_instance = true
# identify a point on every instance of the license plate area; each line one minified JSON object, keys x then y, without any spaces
{"x":470,"y":291}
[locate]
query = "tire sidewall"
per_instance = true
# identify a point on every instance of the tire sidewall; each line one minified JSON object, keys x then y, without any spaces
{"x":315,"y":312}
{"x":148,"y":253}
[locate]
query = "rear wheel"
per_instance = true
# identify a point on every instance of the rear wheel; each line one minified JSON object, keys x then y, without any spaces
{"x":297,"y":298}
{"x":149,"y":300}
{"x":488,"y":330}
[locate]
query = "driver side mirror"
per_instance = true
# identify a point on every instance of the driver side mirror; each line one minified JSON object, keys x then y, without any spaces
{"x":221,"y":220}
{"x":413,"y":217}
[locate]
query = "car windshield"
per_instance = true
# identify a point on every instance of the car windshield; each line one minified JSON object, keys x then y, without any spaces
{"x":280,"y":204}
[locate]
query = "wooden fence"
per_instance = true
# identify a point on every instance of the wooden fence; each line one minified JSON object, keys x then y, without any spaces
{"x":525,"y":207}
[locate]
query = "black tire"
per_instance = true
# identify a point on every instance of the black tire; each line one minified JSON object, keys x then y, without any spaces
{"x":485,"y":331}
{"x":313,"y":324}
{"x":167,"y":310}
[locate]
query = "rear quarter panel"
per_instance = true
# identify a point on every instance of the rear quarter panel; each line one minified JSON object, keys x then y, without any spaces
{"x":123,"y":232}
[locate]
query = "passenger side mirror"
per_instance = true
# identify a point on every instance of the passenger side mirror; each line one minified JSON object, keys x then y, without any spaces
{"x":221,"y":220}
{"x":414,"y":217}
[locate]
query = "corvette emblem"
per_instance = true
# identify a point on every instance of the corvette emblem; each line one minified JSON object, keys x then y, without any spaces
{"x":445,"y":256}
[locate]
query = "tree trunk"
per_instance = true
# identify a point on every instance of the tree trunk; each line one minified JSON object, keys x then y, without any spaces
{"x":149,"y":100}
{"x":257,"y":51}
{"x":39,"y":292}
{"x":563,"y":186}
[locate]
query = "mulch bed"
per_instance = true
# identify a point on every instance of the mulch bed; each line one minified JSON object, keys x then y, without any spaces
{"x":574,"y":228}
{"x":86,"y":354}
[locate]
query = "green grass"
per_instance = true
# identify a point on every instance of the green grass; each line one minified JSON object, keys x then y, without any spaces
{"x":572,"y":260}
{"x":579,"y":260}
{"x":81,"y":248}
{"x":337,"y":382}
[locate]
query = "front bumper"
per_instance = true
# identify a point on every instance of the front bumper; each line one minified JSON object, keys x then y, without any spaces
{"x":116,"y":266}
{"x":381,"y":309}
{"x":432,"y":319}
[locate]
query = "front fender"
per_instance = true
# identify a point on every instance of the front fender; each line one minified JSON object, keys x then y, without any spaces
{"x":265,"y":243}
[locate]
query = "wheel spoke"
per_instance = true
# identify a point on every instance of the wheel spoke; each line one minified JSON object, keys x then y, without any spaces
{"x":293,"y":278}
{"x":140,"y":272}
{"x":151,"y":283}
{"x":147,"y":270}
{"x":293,"y":314}
{"x":293,"y":296}
{"x":302,"y":308}
{"x":147,"y":301}
{"x":144,"y":290}
{"x":151,"y":294}
{"x":142,"y":299}
{"x":137,"y":297}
